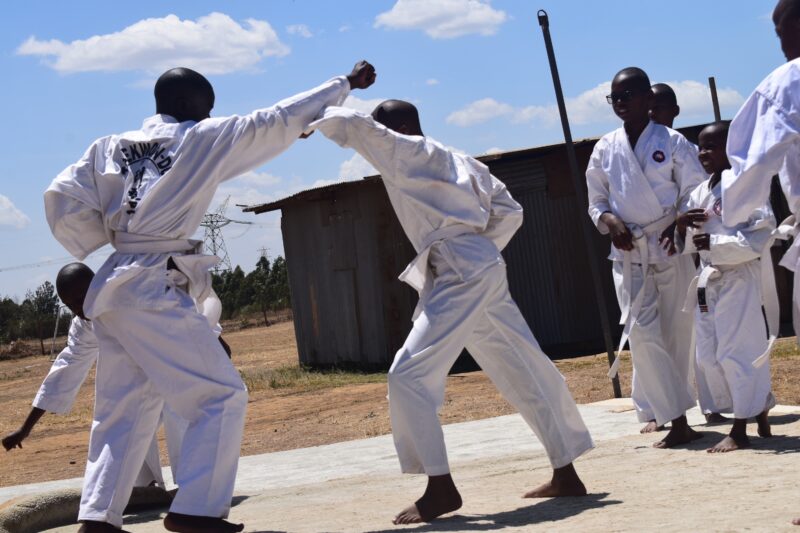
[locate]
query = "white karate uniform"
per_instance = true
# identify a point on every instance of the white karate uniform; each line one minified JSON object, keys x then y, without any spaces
{"x":764,"y":140}
{"x":729,"y":325}
{"x":145,"y":192}
{"x":458,"y":217}
{"x":59,"y":389}
{"x":645,"y":187}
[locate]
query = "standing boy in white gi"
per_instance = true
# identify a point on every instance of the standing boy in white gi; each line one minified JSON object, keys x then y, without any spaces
{"x":70,"y":369}
{"x":664,"y":109}
{"x":764,"y":139}
{"x":730,"y":329}
{"x":458,"y":217}
{"x":145,"y":193}
{"x":638,"y":177}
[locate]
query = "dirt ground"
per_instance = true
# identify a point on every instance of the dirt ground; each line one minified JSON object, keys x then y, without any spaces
{"x":293,"y":417}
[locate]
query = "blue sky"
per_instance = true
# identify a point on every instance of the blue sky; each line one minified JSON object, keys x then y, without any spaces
{"x":476,"y":69}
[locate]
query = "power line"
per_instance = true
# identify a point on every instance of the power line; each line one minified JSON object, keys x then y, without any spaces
{"x":48,"y":262}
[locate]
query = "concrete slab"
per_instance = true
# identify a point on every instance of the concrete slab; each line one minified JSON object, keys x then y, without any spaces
{"x":356,"y":486}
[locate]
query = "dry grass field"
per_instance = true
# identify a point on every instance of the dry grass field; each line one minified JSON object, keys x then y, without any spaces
{"x":291,"y":407}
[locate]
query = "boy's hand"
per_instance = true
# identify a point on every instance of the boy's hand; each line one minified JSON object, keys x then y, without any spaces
{"x":693,"y":218}
{"x":666,"y":240}
{"x":362,"y":76}
{"x":620,"y":234}
{"x":702,"y":241}
{"x":14,"y":440}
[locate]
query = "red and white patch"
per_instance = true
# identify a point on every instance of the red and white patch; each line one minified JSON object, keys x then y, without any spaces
{"x":717,"y":207}
{"x":658,"y":156}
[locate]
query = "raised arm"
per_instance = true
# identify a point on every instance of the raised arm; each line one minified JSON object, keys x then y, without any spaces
{"x":351,"y":129}
{"x":246,"y":142}
{"x":759,"y":138}
{"x":747,"y":244}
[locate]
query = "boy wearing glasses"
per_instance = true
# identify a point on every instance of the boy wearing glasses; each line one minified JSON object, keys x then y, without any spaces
{"x":638,"y":178}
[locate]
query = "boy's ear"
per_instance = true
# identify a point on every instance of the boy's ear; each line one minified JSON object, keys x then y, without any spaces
{"x":677,"y":110}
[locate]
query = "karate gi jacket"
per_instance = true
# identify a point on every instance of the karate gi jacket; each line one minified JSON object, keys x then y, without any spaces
{"x":145,"y":192}
{"x":437,"y":194}
{"x":642,"y":185}
{"x":59,"y":389}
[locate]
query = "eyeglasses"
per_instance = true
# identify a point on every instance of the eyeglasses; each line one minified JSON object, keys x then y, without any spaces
{"x":624,"y":96}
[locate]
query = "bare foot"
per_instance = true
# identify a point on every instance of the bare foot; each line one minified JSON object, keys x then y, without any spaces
{"x":441,"y":497}
{"x":796,"y":521}
{"x":729,"y":444}
{"x":716,"y":418}
{"x":185,"y":523}
{"x":680,"y":433}
{"x":92,"y":526}
{"x":565,"y":482}
{"x":651,"y":427}
{"x":764,"y":429}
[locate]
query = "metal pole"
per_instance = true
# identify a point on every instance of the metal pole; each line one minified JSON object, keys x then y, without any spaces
{"x":55,"y":330}
{"x":712,"y":84}
{"x":581,"y":201}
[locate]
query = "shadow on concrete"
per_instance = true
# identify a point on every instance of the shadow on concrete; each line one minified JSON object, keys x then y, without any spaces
{"x":551,"y":510}
{"x":777,"y":444}
{"x":157,"y":514}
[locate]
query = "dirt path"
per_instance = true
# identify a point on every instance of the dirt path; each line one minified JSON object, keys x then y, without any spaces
{"x":288,"y":418}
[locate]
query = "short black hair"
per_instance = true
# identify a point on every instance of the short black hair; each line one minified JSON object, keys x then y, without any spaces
{"x":640,"y":78}
{"x":720,"y":125}
{"x":792,"y":8}
{"x":667,"y":91}
{"x":394,"y":114}
{"x":180,"y":82}
{"x":73,"y":280}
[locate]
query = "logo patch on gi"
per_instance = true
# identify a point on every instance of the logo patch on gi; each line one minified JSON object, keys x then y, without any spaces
{"x":658,"y":156}
{"x":717,"y":207}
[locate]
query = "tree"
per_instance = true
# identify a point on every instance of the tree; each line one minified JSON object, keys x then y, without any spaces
{"x":262,"y":290}
{"x":39,"y":311}
{"x":10,"y":316}
{"x":279,"y":282}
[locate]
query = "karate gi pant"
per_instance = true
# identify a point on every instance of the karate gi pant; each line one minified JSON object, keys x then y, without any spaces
{"x":147,"y":358}
{"x":480,"y":314}
{"x":660,"y":340}
{"x":732,"y":334}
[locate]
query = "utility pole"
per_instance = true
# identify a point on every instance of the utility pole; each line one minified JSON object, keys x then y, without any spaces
{"x":581,"y":201}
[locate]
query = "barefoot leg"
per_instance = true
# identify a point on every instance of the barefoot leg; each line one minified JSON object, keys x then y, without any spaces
{"x":441,"y":497}
{"x":764,"y":429}
{"x":651,"y":427}
{"x":735,"y":440}
{"x":185,"y":523}
{"x":565,"y":482}
{"x":680,"y":433}
{"x":92,"y":526}
{"x":716,"y":418}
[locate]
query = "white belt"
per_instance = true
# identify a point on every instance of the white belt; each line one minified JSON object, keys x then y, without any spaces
{"x":131,"y":243}
{"x":769,"y":292}
{"x":631,"y":305}
{"x":416,"y":273}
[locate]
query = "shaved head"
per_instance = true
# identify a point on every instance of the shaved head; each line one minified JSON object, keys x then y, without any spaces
{"x":662,"y":90}
{"x":786,"y":18}
{"x":718,"y":127}
{"x":634,"y":76}
{"x":184,"y":94}
{"x":398,"y":115}
{"x":72,"y":284}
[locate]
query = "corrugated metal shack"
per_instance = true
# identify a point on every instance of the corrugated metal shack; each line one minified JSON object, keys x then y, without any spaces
{"x":345,"y":248}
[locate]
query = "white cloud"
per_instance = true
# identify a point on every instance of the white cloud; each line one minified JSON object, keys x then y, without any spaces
{"x":694,"y":98}
{"x":493,"y":150}
{"x":478,"y":112}
{"x":365,"y":106}
{"x":432,"y":81}
{"x":299,"y":29}
{"x":10,"y":216}
{"x":356,"y":168}
{"x":345,"y":28}
{"x":443,"y":19}
{"x":213,"y":44}
{"x":591,"y":107}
